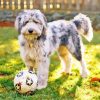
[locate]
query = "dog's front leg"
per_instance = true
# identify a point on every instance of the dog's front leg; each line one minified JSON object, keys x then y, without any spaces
{"x":42,"y":73}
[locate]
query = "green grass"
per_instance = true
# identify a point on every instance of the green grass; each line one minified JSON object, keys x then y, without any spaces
{"x":60,"y":87}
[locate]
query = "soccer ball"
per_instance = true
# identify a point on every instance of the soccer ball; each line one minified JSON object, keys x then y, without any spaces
{"x":25,"y":82}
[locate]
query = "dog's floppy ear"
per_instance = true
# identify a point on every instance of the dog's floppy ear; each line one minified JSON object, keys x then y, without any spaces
{"x":39,"y":15}
{"x":45,"y":21}
{"x":44,"y":24}
{"x":17,"y":21}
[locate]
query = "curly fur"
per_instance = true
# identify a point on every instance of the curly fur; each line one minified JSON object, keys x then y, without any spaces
{"x":38,"y":40}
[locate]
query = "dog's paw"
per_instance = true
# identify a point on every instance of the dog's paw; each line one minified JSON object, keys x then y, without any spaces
{"x":66,"y":72}
{"x":41,"y":85}
{"x":85,"y":73}
{"x":69,"y":73}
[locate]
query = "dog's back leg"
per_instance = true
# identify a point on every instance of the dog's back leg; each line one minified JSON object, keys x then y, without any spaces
{"x":65,"y":58}
{"x":74,"y":45}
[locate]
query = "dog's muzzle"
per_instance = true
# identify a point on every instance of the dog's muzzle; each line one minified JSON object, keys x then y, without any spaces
{"x":31,"y":34}
{"x":30,"y":30}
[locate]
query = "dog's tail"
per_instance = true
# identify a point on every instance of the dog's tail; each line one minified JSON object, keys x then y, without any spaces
{"x":84,"y":26}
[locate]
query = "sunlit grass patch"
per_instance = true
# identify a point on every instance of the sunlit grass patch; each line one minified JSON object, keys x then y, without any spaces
{"x":60,"y":86}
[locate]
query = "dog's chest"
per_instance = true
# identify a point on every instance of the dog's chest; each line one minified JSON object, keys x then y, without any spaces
{"x":35,"y":51}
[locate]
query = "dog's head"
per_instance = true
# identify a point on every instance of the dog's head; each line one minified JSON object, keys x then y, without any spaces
{"x":31,"y":23}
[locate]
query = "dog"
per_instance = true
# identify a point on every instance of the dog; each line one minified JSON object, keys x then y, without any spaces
{"x":39,"y":39}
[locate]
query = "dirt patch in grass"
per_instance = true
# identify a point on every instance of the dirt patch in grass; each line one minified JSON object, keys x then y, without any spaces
{"x":2,"y":75}
{"x":6,"y":24}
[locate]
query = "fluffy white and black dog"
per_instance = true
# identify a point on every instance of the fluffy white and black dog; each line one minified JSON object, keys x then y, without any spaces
{"x":39,"y":39}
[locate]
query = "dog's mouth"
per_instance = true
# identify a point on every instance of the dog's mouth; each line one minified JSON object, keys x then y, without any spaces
{"x":31,"y":36}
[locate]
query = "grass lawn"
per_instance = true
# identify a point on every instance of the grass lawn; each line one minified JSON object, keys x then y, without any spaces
{"x":60,"y":87}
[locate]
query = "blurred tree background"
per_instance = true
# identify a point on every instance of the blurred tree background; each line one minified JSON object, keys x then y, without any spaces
{"x":54,"y":9}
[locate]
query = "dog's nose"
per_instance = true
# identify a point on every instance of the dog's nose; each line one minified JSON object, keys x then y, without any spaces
{"x":30,"y":30}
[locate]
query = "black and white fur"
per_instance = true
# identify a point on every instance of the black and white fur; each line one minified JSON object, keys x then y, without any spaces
{"x":38,"y":40}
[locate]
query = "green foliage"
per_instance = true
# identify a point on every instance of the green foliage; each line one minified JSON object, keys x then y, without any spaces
{"x":60,"y":86}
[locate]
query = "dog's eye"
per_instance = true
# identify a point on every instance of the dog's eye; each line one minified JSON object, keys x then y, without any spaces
{"x":36,"y":22}
{"x":26,"y":22}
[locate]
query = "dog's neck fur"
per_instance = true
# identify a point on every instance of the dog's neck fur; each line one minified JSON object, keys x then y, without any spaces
{"x":32,"y":50}
{"x":31,"y":42}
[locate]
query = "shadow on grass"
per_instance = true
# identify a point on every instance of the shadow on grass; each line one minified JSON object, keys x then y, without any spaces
{"x":56,"y":90}
{"x":6,"y":84}
{"x":53,"y":89}
{"x":97,"y":56}
{"x":11,"y":63}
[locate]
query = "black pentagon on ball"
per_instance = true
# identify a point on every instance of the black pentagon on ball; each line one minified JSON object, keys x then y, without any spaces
{"x":29,"y":81}
{"x":31,"y":72}
{"x":18,"y":86}
{"x":19,"y":74}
